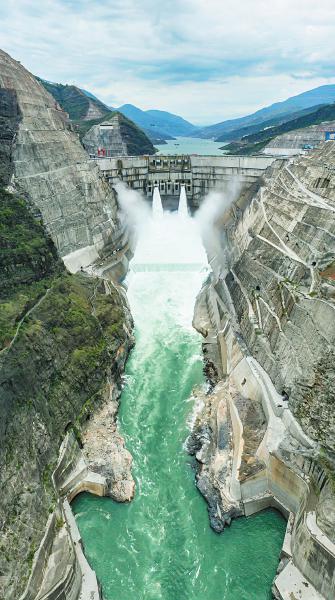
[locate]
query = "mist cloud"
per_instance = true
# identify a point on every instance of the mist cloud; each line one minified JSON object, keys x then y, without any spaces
{"x":210,"y":216}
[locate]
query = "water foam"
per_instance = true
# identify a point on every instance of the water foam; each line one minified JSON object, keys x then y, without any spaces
{"x":169,"y":239}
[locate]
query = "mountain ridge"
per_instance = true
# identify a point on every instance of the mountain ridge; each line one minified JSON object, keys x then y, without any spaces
{"x":255,"y":142}
{"x":311,"y":98}
{"x":86,"y":111}
{"x":155,"y":121}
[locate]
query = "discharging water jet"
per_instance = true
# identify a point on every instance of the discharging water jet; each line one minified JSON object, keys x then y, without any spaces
{"x":183,"y":208}
{"x":157,"y":207}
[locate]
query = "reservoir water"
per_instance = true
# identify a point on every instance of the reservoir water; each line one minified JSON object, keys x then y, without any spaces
{"x":188,"y":145}
{"x":160,"y":546}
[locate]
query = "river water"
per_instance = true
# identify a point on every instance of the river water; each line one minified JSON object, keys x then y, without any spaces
{"x":188,"y":145}
{"x":160,"y":546}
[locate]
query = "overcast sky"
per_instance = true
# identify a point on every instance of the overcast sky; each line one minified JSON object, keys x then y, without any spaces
{"x":207,"y":60}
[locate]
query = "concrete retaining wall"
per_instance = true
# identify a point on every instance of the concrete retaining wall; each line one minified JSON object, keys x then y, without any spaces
{"x":40,"y":561}
{"x":77,"y":579}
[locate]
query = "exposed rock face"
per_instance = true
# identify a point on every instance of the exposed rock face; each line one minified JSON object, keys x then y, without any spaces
{"x":9,"y":123}
{"x":64,"y":340}
{"x":210,"y":442}
{"x":117,"y":136}
{"x":50,"y":167}
{"x":104,"y":448}
{"x":268,"y":313}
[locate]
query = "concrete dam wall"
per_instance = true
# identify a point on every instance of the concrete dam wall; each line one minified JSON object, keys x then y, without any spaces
{"x":199,"y":174}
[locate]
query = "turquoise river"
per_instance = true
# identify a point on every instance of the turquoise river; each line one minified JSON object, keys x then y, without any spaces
{"x":160,"y":546}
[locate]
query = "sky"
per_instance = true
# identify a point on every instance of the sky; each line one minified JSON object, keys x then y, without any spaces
{"x":206,"y":60}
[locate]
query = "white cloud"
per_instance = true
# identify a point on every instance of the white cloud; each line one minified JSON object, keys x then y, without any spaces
{"x":205,"y":59}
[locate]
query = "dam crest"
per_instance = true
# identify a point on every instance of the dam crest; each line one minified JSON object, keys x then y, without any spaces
{"x":197,"y":174}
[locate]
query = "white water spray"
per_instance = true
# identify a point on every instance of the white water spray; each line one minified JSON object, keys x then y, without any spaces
{"x":183,"y":208}
{"x":165,"y":238}
{"x":157,"y":207}
{"x":211,"y":217}
{"x":165,"y":241}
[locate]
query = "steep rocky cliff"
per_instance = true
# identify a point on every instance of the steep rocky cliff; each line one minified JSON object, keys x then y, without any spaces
{"x":64,"y":340}
{"x":78,"y":105}
{"x":266,"y":433}
{"x":50,"y":167}
{"x":117,"y":136}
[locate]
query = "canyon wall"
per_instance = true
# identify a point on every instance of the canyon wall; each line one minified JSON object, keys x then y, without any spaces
{"x":266,"y":433}
{"x":64,"y":340}
{"x":50,"y":167}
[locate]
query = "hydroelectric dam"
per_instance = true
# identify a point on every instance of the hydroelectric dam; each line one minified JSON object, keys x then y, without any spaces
{"x":199,"y":174}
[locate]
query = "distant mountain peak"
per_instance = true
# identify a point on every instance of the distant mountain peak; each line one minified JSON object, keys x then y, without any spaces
{"x":158,"y":123}
{"x":276,"y":112}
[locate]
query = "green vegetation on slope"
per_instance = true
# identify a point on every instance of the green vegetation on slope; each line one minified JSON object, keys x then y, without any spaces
{"x":76,"y":103}
{"x":28,"y":261}
{"x":67,"y":333}
{"x":237,"y":134}
{"x":286,"y":110}
{"x":73,"y":100}
{"x":82,"y":127}
{"x":246,"y":149}
{"x":53,"y":377}
{"x":250,"y":144}
{"x":137,"y":141}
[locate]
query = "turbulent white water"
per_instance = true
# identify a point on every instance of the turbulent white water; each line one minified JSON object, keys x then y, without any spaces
{"x":157,"y":208}
{"x":169,"y":241}
{"x":183,"y":208}
{"x":160,"y":546}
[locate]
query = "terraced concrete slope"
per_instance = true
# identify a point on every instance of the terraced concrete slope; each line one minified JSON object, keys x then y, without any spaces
{"x":49,"y":166}
{"x":299,"y":141}
{"x":268,"y":314}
